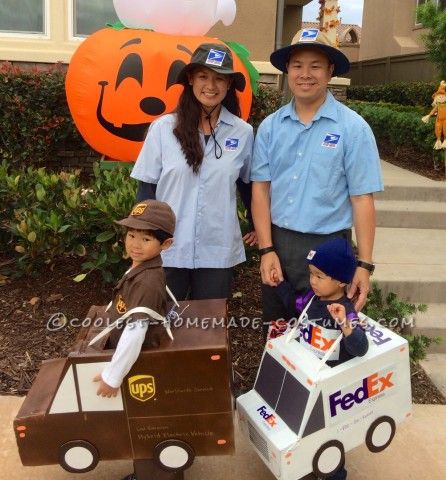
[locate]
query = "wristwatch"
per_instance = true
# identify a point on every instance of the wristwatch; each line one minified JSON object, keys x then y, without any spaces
{"x":368,"y":266}
{"x":263,"y":251}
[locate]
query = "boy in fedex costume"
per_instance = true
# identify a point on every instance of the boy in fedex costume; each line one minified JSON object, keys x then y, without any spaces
{"x":342,"y":381}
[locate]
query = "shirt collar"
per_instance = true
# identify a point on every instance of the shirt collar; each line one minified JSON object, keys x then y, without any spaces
{"x":152,"y":263}
{"x":328,"y":109}
{"x":225,"y":116}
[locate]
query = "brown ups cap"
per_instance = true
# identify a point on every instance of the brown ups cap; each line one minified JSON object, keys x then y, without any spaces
{"x":150,"y":215}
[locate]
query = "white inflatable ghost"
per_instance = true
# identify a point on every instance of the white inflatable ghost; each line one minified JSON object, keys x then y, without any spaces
{"x":180,"y":17}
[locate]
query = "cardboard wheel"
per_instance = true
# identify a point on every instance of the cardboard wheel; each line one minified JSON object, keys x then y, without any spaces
{"x":173,"y":455}
{"x":78,"y":456}
{"x":380,"y":434}
{"x":329,"y":459}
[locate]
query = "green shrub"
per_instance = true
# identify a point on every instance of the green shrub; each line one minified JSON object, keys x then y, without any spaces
{"x":403,"y":93}
{"x":399,"y":126}
{"x":54,"y":216}
{"x":397,"y":315}
{"x":267,"y":101}
{"x":34,"y":118}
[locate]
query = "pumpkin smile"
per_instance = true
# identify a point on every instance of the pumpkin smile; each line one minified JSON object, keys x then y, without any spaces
{"x":134,"y":132}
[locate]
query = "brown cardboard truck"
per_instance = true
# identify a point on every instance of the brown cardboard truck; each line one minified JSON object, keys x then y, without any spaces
{"x":174,"y":404}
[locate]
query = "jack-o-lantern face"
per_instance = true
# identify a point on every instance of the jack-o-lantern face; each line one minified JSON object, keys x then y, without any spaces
{"x":119,"y":81}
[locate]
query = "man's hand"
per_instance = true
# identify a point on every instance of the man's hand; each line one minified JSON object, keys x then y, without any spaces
{"x":104,"y":389}
{"x":360,"y":286}
{"x":270,"y":269}
{"x":250,"y":238}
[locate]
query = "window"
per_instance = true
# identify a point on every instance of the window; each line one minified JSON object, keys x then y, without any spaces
{"x":91,"y":15}
{"x":29,"y":18}
{"x":441,"y":4}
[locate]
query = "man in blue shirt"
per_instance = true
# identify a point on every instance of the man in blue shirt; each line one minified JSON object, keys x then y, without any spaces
{"x":314,"y":172}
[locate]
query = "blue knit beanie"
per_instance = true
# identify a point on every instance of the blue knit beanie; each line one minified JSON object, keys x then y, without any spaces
{"x":335,"y":258}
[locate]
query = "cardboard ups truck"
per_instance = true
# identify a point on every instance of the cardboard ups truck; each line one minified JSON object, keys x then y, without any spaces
{"x":174,"y":404}
{"x":302,"y":416}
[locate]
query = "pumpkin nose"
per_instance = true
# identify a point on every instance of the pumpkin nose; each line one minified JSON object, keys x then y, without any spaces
{"x":152,"y":106}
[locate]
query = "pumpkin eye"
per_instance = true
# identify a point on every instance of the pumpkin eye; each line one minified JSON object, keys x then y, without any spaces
{"x":131,"y":67}
{"x":174,"y":70}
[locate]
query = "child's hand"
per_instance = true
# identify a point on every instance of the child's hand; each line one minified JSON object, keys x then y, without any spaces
{"x":104,"y":389}
{"x":337,"y":311}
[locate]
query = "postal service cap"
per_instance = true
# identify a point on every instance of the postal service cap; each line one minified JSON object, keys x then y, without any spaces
{"x":311,"y":37}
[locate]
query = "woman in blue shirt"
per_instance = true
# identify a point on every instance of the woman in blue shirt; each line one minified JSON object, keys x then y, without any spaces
{"x":194,"y":159}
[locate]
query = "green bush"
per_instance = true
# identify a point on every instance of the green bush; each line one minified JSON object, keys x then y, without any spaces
{"x":397,"y":315}
{"x":34,"y":118}
{"x":53,"y":216}
{"x":267,"y":101}
{"x":397,"y":125}
{"x":403,"y":93}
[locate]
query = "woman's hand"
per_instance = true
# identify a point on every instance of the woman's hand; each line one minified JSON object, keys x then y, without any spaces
{"x":104,"y":389}
{"x":250,"y":238}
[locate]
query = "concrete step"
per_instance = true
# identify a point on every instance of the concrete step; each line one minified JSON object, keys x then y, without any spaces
{"x":411,"y":214}
{"x":434,"y":193}
{"x":435,"y":366}
{"x":432,"y":323}
{"x":411,"y":263}
{"x":401,"y":184}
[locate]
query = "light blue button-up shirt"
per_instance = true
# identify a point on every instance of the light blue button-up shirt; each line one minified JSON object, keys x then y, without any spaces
{"x":207,"y":232}
{"x":315,"y":168}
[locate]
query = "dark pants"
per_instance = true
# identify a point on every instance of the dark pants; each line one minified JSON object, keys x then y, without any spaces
{"x":199,"y":283}
{"x":292,"y":249}
{"x":341,"y":475}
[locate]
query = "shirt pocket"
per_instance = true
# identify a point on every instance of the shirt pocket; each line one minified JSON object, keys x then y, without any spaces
{"x":326,"y":172}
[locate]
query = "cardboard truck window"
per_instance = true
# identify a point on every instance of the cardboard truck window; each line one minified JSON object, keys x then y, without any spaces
{"x":302,"y":416}
{"x":176,"y":398}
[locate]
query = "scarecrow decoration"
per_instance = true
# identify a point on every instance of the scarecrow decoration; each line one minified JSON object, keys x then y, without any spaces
{"x":439,"y":109}
{"x":121,"y":79}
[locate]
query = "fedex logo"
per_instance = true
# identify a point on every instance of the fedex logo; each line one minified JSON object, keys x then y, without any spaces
{"x":368,"y":388}
{"x":313,"y":335}
{"x":378,"y":336}
{"x":269,"y":417}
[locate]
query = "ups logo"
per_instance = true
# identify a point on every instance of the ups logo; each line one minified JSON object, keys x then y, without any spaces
{"x":142,"y":387}
{"x":139,"y":209}
{"x":121,"y":307}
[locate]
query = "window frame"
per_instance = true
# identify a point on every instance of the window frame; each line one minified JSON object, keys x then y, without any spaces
{"x":417,"y":23}
{"x":45,"y":35}
{"x":71,"y":18}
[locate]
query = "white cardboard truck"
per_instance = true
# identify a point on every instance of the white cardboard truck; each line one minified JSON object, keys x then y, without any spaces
{"x":302,"y":416}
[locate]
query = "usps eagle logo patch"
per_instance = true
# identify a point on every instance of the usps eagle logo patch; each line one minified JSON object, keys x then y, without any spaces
{"x":309,"y":35}
{"x":231,"y":144}
{"x":331,"y":140}
{"x":215,"y":57}
{"x":311,"y":254}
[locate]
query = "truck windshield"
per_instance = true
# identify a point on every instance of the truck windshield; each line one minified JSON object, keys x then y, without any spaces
{"x":287,"y":396}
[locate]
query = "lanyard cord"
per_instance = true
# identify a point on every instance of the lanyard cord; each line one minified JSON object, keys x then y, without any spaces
{"x":216,"y":144}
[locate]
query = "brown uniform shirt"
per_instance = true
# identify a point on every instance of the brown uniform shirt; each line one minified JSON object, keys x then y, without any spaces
{"x":142,"y":286}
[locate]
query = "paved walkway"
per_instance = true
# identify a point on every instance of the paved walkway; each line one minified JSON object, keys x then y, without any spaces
{"x":416,"y":453}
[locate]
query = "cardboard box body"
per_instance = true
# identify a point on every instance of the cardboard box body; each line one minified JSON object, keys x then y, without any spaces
{"x":180,"y":390}
{"x":297,"y":405}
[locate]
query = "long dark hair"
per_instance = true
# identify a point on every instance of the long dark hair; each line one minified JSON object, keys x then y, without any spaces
{"x":188,"y":118}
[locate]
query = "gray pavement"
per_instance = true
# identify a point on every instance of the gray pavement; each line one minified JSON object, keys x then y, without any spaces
{"x":416,"y":453}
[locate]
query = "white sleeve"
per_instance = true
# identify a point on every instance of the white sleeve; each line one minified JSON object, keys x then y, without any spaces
{"x":126,"y":353}
{"x":148,"y":165}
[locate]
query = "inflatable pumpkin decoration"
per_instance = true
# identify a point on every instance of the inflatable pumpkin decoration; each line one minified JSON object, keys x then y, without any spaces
{"x":119,"y":81}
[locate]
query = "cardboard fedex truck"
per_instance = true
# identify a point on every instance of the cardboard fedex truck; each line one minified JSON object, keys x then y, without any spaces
{"x":174,"y":404}
{"x":302,"y":416}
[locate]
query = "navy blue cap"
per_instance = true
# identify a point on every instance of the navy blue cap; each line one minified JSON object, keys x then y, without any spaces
{"x":335,"y":258}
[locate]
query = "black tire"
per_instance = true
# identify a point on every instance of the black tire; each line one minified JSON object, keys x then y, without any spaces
{"x":173,"y":455}
{"x":380,"y":434}
{"x":78,"y":456}
{"x":323,"y":467}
